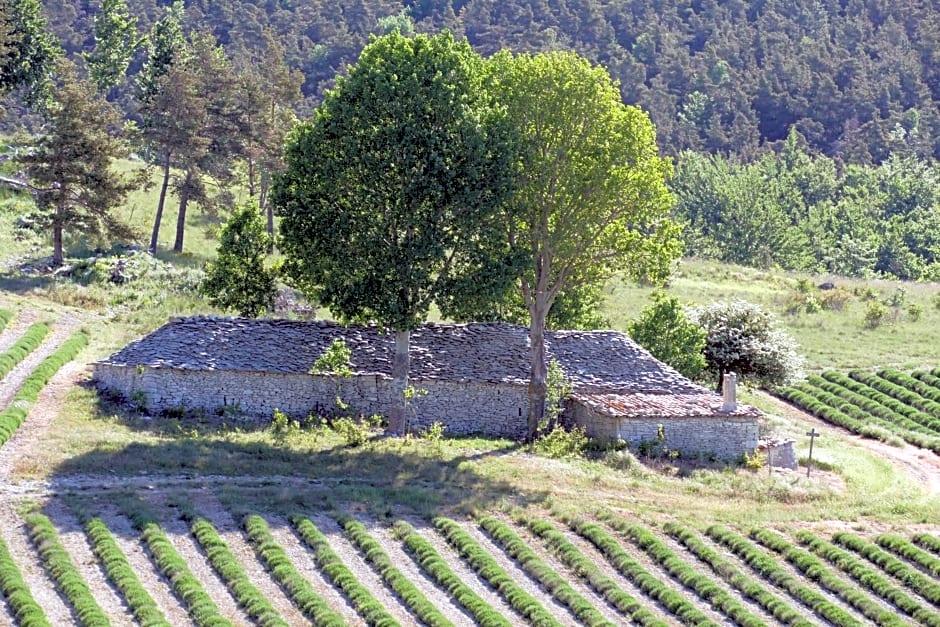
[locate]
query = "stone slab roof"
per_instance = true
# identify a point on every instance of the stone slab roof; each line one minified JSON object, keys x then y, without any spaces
{"x":595,"y":361}
{"x":679,"y":405}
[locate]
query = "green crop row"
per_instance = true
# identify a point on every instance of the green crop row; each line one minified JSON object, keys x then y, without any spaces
{"x":403,"y":587}
{"x":57,"y":563}
{"x":899,"y":392}
{"x":5,"y":316}
{"x":927,"y":541}
{"x":433,"y":564}
{"x":928,"y":392}
{"x":601,"y":583}
{"x":767,"y":567}
{"x":487,"y":567}
{"x":14,"y":589}
{"x":13,"y":416}
{"x":704,"y":587}
{"x":887,"y":400}
{"x":861,"y":572}
{"x":29,"y":341}
{"x":634,"y":571}
{"x":279,"y":565}
{"x":223,"y":561}
{"x":817,"y":570}
{"x":200,"y":605}
{"x":871,"y":405}
{"x":906,"y":549}
{"x":896,"y":423}
{"x":337,"y":572}
{"x":122,"y":575}
{"x":926,"y":377}
{"x":914,"y":579}
{"x":551,"y":581}
{"x":741,"y":582}
{"x":811,"y":404}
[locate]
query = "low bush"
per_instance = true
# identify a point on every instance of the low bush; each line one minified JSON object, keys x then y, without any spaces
{"x":223,"y":561}
{"x":551,"y":581}
{"x":773,"y":604}
{"x":562,"y":443}
{"x":484,"y":565}
{"x":57,"y":563}
{"x":122,"y":575}
{"x":861,"y":571}
{"x":26,"y":344}
{"x":16,"y":593}
{"x":403,"y":587}
{"x":434,"y":565}
{"x":279,"y":565}
{"x":816,"y":570}
{"x":913,"y":578}
{"x":330,"y":565}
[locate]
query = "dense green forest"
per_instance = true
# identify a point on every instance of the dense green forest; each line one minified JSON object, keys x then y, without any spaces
{"x":723,"y":76}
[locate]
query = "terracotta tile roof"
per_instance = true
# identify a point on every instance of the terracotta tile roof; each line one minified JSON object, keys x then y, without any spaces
{"x":644,"y":405}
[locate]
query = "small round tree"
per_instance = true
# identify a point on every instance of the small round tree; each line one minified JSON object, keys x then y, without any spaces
{"x":670,"y":336}
{"x":744,"y":339}
{"x":238,"y":280}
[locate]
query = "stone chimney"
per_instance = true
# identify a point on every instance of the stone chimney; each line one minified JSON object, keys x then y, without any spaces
{"x":729,"y":393}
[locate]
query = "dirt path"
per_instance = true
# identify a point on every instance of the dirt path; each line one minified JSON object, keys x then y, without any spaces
{"x":921,"y":465}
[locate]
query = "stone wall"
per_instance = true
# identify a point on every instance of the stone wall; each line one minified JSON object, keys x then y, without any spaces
{"x":463,"y":407}
{"x":726,"y":437}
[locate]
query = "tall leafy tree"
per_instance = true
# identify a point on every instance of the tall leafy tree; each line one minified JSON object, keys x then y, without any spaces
{"x":116,"y":41}
{"x":70,"y":172}
{"x":591,"y":198}
{"x":28,"y":51}
{"x":392,"y":189}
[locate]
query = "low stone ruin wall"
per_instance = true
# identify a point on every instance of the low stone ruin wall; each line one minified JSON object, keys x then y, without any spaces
{"x":464,"y":408}
{"x":725,"y":437}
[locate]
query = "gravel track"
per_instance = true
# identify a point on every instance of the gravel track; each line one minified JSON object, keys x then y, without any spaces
{"x":350,"y":556}
{"x":73,"y":539}
{"x":15,"y":535}
{"x":460,"y":568}
{"x":556,"y":609}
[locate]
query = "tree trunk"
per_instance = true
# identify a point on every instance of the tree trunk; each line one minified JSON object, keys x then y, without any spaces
{"x":181,"y":218}
{"x":401,"y":364}
{"x":155,"y":236}
{"x":721,"y":380}
{"x":537,"y":370}
{"x":58,"y":256}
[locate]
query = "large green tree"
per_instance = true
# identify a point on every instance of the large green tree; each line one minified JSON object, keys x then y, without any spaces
{"x":392,"y":189}
{"x":69,"y":170}
{"x":591,"y":198}
{"x":27,"y":50}
{"x":116,"y":41}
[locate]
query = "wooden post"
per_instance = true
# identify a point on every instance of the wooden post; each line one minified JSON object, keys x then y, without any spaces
{"x":812,"y":438}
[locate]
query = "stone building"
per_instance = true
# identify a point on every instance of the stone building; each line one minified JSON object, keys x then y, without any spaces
{"x":475,"y":377}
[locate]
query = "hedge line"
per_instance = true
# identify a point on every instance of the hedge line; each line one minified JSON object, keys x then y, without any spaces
{"x":122,"y":575}
{"x":333,"y":568}
{"x":816,"y":570}
{"x":871,"y":579}
{"x":223,"y":561}
{"x":434,"y":565}
{"x":913,"y":578}
{"x":60,"y":567}
{"x":394,"y":578}
{"x":279,"y":565}
{"x":747,"y":586}
{"x":587,"y":569}
{"x":487,"y":567}
{"x":199,"y":604}
{"x":13,"y":416}
{"x":767,"y":567}
{"x":14,"y":589}
{"x":704,"y":587}
{"x":551,"y":581}
{"x":26,"y":344}
{"x":634,"y":571}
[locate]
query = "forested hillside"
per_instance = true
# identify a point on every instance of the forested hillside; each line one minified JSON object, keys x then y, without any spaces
{"x":716,"y":75}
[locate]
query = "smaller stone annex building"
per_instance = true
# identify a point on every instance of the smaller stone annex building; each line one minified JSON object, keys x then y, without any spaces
{"x":475,"y":377}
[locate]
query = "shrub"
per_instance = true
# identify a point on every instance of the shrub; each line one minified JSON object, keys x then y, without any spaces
{"x":665,"y":330}
{"x":562,"y":443}
{"x":875,"y":314}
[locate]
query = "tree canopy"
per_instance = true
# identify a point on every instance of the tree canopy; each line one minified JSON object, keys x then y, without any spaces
{"x":27,"y":50}
{"x":391,"y":191}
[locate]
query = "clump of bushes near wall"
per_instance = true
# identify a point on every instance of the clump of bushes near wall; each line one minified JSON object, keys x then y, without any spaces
{"x":122,"y":575}
{"x":223,"y":561}
{"x":279,"y":565}
{"x":58,"y":564}
{"x":16,"y":593}
{"x":484,"y":565}
{"x":26,"y":344}
{"x":13,"y":416}
{"x":330,"y":565}
{"x":403,"y":587}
